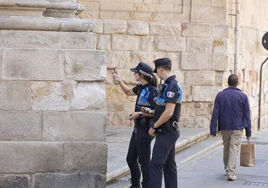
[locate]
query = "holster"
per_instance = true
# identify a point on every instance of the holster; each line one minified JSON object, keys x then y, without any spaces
{"x":168,"y":126}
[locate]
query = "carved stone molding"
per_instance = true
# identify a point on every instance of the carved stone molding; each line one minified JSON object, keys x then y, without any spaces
{"x":47,"y":15}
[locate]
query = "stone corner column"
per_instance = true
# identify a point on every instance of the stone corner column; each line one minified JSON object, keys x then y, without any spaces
{"x":52,"y":97}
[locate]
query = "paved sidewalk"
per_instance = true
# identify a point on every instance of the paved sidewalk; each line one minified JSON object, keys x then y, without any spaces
{"x":118,"y":139}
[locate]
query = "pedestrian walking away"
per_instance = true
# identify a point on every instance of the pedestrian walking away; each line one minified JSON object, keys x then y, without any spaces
{"x":231,"y":114}
{"x":165,"y":127}
{"x":139,"y":151}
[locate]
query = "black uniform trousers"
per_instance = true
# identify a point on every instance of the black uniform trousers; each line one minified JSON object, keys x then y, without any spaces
{"x":138,"y":156}
{"x":163,"y":160}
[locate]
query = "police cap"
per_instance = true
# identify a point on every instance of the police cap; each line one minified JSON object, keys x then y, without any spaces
{"x":161,"y":62}
{"x":143,"y":68}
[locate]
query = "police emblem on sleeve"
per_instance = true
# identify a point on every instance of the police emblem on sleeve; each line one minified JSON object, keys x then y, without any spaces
{"x":170,"y":94}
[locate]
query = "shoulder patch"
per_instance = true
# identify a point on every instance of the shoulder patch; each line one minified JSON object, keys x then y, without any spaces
{"x":170,"y":94}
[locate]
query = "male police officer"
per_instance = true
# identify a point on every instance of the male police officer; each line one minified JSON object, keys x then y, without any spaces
{"x":165,"y":128}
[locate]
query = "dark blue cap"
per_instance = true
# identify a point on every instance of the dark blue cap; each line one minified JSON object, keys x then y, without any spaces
{"x":143,"y":68}
{"x":161,"y":62}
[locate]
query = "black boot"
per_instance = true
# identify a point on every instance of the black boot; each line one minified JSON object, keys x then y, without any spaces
{"x":144,"y":185}
{"x":135,"y":184}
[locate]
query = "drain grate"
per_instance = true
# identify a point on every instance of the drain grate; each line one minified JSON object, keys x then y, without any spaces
{"x":258,"y":184}
{"x":256,"y":142}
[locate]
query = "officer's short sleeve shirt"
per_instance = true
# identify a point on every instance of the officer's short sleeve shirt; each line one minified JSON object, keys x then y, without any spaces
{"x":172,"y":94}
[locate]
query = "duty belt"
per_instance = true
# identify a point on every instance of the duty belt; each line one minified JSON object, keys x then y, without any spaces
{"x":169,"y":126}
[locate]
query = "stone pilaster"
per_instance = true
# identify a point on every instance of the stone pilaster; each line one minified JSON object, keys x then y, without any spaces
{"x":52,"y":97}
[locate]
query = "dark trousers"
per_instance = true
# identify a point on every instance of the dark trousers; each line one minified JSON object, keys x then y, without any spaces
{"x":138,"y":156}
{"x":163,"y":160}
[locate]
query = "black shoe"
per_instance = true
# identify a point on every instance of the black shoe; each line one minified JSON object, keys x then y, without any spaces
{"x":135,"y":186}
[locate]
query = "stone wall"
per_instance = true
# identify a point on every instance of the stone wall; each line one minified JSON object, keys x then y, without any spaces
{"x":197,"y":35}
{"x":196,"y":42}
{"x":52,"y":100}
{"x":253,"y":19}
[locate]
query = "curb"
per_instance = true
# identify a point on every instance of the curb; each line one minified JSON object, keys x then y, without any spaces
{"x":178,"y":147}
{"x":211,"y":147}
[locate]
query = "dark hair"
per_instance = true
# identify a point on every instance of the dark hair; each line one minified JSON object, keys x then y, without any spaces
{"x":151,"y":79}
{"x":166,"y":67}
{"x":233,"y":80}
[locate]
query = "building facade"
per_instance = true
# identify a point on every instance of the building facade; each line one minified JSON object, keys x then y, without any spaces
{"x":197,"y":35}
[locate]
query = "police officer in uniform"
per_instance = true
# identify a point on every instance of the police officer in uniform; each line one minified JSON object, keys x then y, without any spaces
{"x":165,"y":128}
{"x":139,"y":151}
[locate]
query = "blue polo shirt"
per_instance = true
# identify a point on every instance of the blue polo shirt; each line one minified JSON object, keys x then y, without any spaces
{"x":231,"y":111}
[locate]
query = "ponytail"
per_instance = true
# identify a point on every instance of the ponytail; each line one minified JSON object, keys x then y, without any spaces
{"x":154,"y":80}
{"x":151,"y":79}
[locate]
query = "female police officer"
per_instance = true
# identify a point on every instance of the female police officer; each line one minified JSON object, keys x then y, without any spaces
{"x":139,"y":150}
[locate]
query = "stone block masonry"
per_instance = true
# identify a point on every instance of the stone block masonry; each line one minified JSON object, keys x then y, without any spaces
{"x":198,"y":35}
{"x":52,"y":97}
{"x":198,"y":60}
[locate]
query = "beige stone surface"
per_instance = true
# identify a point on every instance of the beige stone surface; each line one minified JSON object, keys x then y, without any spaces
{"x":202,"y":122}
{"x":196,"y":61}
{"x":119,"y":59}
{"x":45,"y":24}
{"x":104,"y":42}
{"x":80,"y":156}
{"x":85,"y":65}
{"x":125,"y":42}
{"x":15,"y":95}
{"x":114,"y":26}
{"x":205,"y":93}
{"x":195,"y":78}
{"x":220,"y":62}
{"x":51,"y":96}
{"x":30,"y":39}
{"x":221,"y":46}
{"x":147,"y":57}
{"x":92,"y":9}
{"x":171,"y":43}
{"x":98,"y":25}
{"x":205,"y":14}
{"x":137,"y":28}
{"x":1,"y":51}
{"x":30,"y":157}
{"x":141,"y":7}
{"x":78,"y":40}
{"x":222,"y":31}
{"x":73,"y":126}
{"x":43,"y":39}
{"x":40,"y":64}
{"x":220,"y":3}
{"x":196,"y":30}
{"x":89,"y":95}
{"x":221,"y":78}
{"x":187,"y":93}
{"x":20,"y":126}
{"x":201,"y":2}
{"x":147,"y":43}
{"x":203,"y":45}
{"x":159,"y":28}
{"x":175,"y":58}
